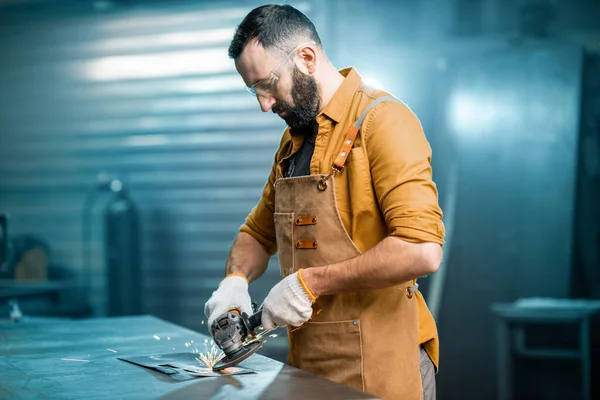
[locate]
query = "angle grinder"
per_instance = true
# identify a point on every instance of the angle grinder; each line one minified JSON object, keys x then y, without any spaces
{"x":233,"y":333}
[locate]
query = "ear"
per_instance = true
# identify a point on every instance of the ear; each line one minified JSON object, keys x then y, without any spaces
{"x":308,"y":55}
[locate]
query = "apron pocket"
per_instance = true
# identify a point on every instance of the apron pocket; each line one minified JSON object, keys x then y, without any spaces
{"x":284,"y":225}
{"x":329,"y":349}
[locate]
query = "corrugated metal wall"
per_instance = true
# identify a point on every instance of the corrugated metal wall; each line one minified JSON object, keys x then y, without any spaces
{"x":149,"y":95}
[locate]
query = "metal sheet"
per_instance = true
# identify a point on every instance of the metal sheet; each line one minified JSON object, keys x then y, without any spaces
{"x":37,"y":361}
{"x":185,"y":364}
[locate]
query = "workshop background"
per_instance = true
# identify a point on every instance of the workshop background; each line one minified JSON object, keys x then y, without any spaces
{"x":130,"y":154}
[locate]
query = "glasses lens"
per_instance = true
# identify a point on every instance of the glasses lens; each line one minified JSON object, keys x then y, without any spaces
{"x":251,"y":90}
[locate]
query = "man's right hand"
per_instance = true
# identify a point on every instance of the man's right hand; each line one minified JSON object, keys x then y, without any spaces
{"x":232,"y":294}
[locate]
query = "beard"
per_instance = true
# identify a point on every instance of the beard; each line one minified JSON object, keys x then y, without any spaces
{"x":301,"y":114}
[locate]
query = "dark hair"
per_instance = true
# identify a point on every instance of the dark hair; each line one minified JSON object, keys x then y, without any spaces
{"x":275,"y":27}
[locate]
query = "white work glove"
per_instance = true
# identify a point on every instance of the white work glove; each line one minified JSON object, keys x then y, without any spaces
{"x":232,"y":294}
{"x":288,"y":303}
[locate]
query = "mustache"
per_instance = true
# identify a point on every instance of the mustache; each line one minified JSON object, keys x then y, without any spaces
{"x":277,"y":108}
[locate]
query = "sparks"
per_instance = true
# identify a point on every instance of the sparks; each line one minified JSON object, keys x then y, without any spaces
{"x":168,"y":338}
{"x":156,"y":337}
{"x":273,"y":335}
{"x":74,"y":359}
{"x":114,"y":351}
{"x":258,"y":337}
{"x":210,"y":358}
{"x":319,"y":311}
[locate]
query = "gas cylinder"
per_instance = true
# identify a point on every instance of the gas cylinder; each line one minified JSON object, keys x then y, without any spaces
{"x":122,"y":252}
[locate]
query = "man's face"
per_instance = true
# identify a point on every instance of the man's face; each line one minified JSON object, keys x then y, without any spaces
{"x":304,"y":107}
{"x":288,"y":91}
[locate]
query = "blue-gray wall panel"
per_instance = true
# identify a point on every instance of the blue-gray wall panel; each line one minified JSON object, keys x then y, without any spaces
{"x":145,"y":93}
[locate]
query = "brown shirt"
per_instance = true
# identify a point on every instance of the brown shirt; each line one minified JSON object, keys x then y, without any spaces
{"x":386,"y":187}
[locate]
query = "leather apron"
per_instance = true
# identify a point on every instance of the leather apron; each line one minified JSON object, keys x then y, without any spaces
{"x":368,"y":340}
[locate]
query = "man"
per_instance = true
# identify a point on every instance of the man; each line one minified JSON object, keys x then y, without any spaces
{"x":351,"y":209}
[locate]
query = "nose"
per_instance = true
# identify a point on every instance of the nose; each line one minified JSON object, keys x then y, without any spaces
{"x":266,"y":102}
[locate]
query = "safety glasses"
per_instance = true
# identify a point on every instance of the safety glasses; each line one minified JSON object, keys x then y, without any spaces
{"x":267,"y":84}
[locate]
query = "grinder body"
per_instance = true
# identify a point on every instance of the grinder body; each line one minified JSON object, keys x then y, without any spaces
{"x":230,"y":332}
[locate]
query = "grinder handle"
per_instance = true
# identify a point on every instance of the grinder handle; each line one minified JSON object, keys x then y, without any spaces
{"x":255,"y":320}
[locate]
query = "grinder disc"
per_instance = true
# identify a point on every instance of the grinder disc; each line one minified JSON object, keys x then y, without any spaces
{"x":240,"y":356}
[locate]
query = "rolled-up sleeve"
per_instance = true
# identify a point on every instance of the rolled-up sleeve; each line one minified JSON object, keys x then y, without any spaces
{"x":259,"y":223}
{"x":400,"y":162}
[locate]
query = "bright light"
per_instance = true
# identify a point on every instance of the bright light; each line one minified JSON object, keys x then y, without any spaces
{"x":372,"y":83}
{"x":208,"y":84}
{"x":136,"y":43}
{"x":147,"y":140}
{"x":155,"y":20}
{"x":158,"y":20}
{"x":213,"y":85}
{"x":207,"y":61}
{"x":474,"y":117}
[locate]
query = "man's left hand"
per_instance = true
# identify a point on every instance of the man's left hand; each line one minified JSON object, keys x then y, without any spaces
{"x":288,"y":303}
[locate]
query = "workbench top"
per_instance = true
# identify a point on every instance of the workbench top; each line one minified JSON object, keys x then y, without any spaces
{"x":31,"y":365}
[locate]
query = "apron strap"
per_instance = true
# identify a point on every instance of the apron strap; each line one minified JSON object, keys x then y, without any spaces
{"x":340,"y":161}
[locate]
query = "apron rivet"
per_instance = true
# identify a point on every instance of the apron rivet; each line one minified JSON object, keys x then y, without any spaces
{"x":298,"y":244}
{"x":349,"y":141}
{"x":322,"y":185}
{"x":297,"y":220}
{"x":314,"y":220}
{"x":355,"y":322}
{"x":343,"y":154}
{"x":315,"y":243}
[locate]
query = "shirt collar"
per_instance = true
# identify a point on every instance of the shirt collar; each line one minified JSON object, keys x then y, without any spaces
{"x":341,"y":99}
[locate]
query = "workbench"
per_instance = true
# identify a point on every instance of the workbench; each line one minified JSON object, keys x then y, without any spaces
{"x":32,"y":365}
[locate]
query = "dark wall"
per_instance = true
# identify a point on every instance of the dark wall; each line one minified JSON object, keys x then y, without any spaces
{"x":586,"y":273}
{"x":513,"y":115}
